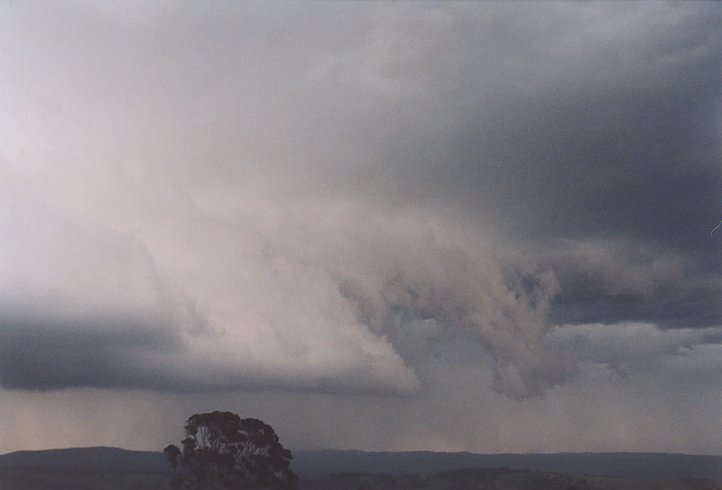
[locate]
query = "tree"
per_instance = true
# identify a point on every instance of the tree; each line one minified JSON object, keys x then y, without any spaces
{"x":222,"y":451}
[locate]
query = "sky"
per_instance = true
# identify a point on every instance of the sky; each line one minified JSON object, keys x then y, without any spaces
{"x":377,"y":225}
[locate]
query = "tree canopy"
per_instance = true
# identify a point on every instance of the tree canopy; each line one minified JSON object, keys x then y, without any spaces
{"x":222,"y":451}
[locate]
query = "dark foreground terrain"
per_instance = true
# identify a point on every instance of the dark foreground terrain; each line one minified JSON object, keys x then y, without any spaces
{"x":501,"y":479}
{"x":50,"y":479}
{"x":116,"y":469}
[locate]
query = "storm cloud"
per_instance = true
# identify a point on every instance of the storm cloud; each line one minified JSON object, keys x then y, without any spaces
{"x":367,"y":202}
{"x":329,"y":298}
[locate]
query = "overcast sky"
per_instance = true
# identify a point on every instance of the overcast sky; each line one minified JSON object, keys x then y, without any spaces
{"x":376,"y":225}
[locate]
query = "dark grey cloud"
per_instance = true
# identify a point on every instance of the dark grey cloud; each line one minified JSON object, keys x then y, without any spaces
{"x":99,"y":354}
{"x":614,"y":137}
{"x":568,"y":125}
{"x":620,"y":280}
{"x":582,"y":163}
{"x":127,"y":353}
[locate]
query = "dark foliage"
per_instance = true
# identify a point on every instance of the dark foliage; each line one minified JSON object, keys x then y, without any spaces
{"x":222,"y":451}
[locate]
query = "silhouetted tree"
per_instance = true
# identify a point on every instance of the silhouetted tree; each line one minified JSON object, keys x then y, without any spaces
{"x":222,"y":451}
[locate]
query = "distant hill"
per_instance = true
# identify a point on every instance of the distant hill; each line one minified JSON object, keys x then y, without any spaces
{"x":87,"y":458}
{"x":321,"y":464}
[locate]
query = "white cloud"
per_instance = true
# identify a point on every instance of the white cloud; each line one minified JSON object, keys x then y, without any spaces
{"x":269,"y":293}
{"x":630,"y":348}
